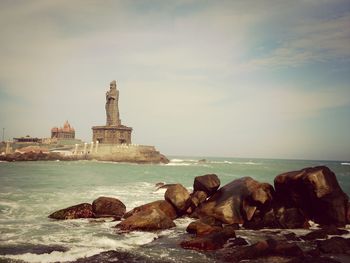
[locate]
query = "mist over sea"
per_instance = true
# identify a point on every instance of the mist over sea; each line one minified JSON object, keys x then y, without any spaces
{"x":30,"y":191}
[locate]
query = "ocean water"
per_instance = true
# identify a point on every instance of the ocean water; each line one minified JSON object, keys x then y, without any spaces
{"x":30,"y":191}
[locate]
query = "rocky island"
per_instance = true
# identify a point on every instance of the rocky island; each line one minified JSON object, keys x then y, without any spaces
{"x":110,"y":142}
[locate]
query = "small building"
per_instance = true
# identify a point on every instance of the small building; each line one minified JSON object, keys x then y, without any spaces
{"x":65,"y":132}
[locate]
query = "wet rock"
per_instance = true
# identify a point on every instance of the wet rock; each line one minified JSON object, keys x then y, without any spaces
{"x":179,"y":197}
{"x":333,"y":230}
{"x":236,"y":202}
{"x":160,"y":184}
{"x":317,"y":234}
{"x":208,"y":183}
{"x":198,"y":197}
{"x":238,"y":241}
{"x":83,"y":210}
{"x":203,"y":227}
{"x":324,"y":232}
{"x":291,"y":218}
{"x":291,"y":237}
{"x":212,"y":241}
{"x":265,"y":248}
{"x":334,"y":245}
{"x":108,"y":207}
{"x":165,"y":186}
{"x":148,"y":220}
{"x":162,"y":205}
{"x":262,"y":219}
{"x":312,"y":259}
{"x":316,"y":192}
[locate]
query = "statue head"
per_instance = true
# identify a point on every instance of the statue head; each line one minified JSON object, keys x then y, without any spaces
{"x":113,"y":84}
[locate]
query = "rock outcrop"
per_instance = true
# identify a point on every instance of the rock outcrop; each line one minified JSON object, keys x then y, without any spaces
{"x":212,"y":241}
{"x":179,"y":197}
{"x":208,"y":183}
{"x":108,"y":207}
{"x":162,"y":205}
{"x":316,"y":192}
{"x":83,"y":210}
{"x":236,"y":202}
{"x":148,"y":220}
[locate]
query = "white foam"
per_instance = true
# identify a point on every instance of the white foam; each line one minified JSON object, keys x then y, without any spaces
{"x":57,"y":256}
{"x":345,"y":163}
{"x":178,"y":164}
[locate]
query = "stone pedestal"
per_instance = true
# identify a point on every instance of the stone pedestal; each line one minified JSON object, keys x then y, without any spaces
{"x":112,"y":134}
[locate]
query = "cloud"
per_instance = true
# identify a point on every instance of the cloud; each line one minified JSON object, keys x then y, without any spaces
{"x":310,"y":41}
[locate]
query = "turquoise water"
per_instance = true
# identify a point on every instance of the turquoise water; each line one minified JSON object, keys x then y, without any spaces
{"x":30,"y":191}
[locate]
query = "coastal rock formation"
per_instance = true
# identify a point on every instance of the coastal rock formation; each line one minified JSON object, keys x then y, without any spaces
{"x":148,"y":220}
{"x":212,"y":241}
{"x":83,"y":210}
{"x":208,"y":183}
{"x":204,"y":226}
{"x":198,"y":197}
{"x":162,"y":205}
{"x":179,"y":197}
{"x":334,"y":245}
{"x":264,"y":248}
{"x":237,"y":201}
{"x":108,"y":207}
{"x":316,"y":192}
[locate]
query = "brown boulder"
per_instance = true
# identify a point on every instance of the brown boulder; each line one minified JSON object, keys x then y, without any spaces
{"x":179,"y":197}
{"x":148,"y":220}
{"x":83,"y":210}
{"x":203,"y":227}
{"x":265,"y":248}
{"x":212,"y":241}
{"x":334,"y":245}
{"x":198,"y":197}
{"x":237,"y":201}
{"x":208,"y":183}
{"x":108,"y":206}
{"x":162,"y":205}
{"x":291,"y":218}
{"x":316,"y":192}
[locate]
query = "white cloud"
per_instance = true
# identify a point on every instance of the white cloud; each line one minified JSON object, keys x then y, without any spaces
{"x":311,"y":40}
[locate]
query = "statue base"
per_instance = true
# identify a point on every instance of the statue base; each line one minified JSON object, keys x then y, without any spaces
{"x":112,"y":134}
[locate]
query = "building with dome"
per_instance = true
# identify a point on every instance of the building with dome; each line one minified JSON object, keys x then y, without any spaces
{"x":66,"y":132}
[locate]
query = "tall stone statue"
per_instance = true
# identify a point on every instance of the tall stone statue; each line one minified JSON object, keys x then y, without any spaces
{"x":112,"y":110}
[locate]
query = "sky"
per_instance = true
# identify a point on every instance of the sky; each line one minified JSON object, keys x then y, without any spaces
{"x":255,"y":79}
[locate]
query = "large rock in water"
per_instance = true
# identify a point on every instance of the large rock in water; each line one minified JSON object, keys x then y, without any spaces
{"x":148,"y":220}
{"x":179,"y":197}
{"x":316,"y":192}
{"x":162,"y":205}
{"x":237,"y":201}
{"x":83,"y":210}
{"x":214,"y":240}
{"x":108,"y":207}
{"x":208,"y":183}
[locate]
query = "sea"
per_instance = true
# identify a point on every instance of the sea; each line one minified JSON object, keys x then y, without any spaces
{"x":30,"y":191}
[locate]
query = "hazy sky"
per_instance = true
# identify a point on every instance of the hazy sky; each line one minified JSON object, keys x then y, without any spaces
{"x":204,"y":78}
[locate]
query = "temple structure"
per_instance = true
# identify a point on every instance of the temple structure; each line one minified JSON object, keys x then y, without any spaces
{"x":113,"y":132}
{"x":66,"y":132}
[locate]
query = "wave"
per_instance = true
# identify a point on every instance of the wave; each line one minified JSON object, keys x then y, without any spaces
{"x":345,"y":163}
{"x":178,"y":164}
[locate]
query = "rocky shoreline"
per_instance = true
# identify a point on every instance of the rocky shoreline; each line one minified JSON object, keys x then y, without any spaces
{"x":221,"y":214}
{"x":53,"y":156}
